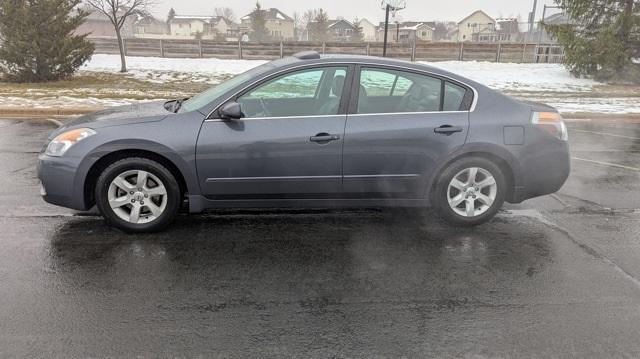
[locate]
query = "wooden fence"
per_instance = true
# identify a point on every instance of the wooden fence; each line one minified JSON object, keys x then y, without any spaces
{"x":438,"y":51}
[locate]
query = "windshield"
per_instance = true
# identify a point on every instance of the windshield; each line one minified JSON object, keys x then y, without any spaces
{"x":204,"y":98}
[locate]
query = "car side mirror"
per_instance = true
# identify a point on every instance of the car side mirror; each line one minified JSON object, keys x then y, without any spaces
{"x":231,"y":111}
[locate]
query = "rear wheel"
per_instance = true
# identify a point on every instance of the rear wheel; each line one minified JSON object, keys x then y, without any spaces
{"x":137,"y":195}
{"x":470,"y":191}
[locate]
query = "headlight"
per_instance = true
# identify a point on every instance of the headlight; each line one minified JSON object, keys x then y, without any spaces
{"x":64,"y":141}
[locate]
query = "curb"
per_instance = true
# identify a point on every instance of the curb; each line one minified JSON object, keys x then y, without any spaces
{"x":45,"y":112}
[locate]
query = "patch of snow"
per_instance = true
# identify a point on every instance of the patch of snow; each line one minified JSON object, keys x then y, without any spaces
{"x":548,"y":83}
{"x":161,"y":70}
{"x":518,"y":77}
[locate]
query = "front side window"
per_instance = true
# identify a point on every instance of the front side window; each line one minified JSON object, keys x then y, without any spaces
{"x":310,"y":92}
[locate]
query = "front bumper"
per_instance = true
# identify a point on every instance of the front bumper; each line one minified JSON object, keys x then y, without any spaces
{"x":57,"y":177}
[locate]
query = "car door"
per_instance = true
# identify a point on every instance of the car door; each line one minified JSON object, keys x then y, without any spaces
{"x":399,"y":125}
{"x":287,"y":145}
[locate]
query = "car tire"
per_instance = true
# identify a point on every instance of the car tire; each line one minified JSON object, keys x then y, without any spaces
{"x":125,"y":185}
{"x":462,"y":202}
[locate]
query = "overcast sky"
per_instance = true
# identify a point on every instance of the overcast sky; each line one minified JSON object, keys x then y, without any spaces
{"x":418,"y":10}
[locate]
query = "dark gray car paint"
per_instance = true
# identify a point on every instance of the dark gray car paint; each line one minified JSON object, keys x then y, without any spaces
{"x":539,"y":166}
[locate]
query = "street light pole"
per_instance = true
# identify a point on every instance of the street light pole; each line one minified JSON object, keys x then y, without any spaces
{"x":386,"y":30}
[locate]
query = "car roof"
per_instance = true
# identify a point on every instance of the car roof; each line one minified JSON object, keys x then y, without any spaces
{"x":312,"y":58}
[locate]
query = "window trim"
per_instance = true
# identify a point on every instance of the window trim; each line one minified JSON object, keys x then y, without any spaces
{"x":353,"y":66}
{"x":344,"y":101}
{"x":355,"y":90}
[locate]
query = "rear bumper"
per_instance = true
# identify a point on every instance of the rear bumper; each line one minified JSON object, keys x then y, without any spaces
{"x":57,"y":177}
{"x":544,"y":171}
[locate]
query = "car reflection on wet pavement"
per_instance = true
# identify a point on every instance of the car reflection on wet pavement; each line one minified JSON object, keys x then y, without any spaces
{"x":552,"y":277}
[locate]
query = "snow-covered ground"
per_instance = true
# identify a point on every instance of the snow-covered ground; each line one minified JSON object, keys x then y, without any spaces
{"x":501,"y":76}
{"x":549,"y":83}
{"x":157,"y":69}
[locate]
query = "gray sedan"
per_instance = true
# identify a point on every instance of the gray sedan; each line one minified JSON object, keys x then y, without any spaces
{"x":311,"y":131}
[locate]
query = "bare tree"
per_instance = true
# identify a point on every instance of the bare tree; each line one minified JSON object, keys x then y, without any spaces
{"x":226,"y":12}
{"x":307,"y":19}
{"x":118,"y":11}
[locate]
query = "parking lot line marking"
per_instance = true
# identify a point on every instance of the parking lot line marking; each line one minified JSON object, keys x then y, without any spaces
{"x":608,"y":164}
{"x":605,"y":134}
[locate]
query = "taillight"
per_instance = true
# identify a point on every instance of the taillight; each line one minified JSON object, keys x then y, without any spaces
{"x":552,"y":123}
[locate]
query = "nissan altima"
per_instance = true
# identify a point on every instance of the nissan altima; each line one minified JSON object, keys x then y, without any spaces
{"x":311,"y":131}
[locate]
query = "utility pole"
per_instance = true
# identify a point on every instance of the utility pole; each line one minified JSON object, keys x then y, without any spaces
{"x":532,"y":16}
{"x":388,"y":6}
{"x":386,"y":30}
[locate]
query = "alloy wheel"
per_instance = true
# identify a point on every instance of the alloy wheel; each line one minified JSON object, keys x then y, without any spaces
{"x":472,"y":192}
{"x":137,"y":196}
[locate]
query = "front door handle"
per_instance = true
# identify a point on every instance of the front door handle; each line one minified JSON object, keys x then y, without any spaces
{"x":324,"y":138}
{"x":448,"y":130}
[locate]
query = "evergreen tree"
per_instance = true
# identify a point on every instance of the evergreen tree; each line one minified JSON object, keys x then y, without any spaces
{"x":358,"y":36}
{"x":259,"y":31}
{"x":602,"y":39}
{"x":170,"y":16}
{"x":320,"y":28}
{"x":38,"y":40}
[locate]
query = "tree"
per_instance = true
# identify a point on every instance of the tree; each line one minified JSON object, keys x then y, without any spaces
{"x":259,"y":31}
{"x":320,"y":29}
{"x":297,"y":20}
{"x":118,"y":11}
{"x":601,"y":38}
{"x":38,"y":39}
{"x":225,"y":12}
{"x":306,"y":22}
{"x":170,"y":16}
{"x":358,"y":36}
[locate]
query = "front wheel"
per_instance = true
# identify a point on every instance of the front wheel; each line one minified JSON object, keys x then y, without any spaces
{"x":137,"y":195}
{"x":470,"y":191}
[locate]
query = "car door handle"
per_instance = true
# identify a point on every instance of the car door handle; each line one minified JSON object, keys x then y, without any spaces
{"x":324,"y":137}
{"x":448,"y":129}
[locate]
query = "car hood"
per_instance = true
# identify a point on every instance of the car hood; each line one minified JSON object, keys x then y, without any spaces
{"x":120,"y":115}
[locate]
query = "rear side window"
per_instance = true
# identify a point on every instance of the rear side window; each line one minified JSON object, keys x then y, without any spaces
{"x":453,"y":97}
{"x":394,"y":91}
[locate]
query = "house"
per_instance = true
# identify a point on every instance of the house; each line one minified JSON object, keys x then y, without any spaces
{"x":410,"y":33}
{"x":508,"y":30}
{"x":279,"y":24}
{"x":407,"y":31}
{"x":477,"y":27}
{"x":98,"y":24}
{"x":203,"y":27}
{"x":339,"y":30}
{"x":368,"y":30}
{"x":150,"y":27}
{"x":541,"y":34}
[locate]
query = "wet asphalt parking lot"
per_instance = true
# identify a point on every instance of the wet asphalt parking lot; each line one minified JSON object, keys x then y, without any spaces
{"x":557,"y":276}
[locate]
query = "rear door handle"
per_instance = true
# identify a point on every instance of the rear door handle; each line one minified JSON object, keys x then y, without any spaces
{"x":448,"y":129}
{"x":324,"y":138}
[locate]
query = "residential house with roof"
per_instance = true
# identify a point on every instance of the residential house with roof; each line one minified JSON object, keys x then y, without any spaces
{"x":541,"y":34}
{"x":98,"y":24}
{"x":150,"y":27}
{"x":279,"y":24}
{"x":477,"y":27}
{"x":408,"y":31}
{"x":508,"y":30}
{"x":368,"y":30}
{"x":203,"y":27}
{"x":338,"y":30}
